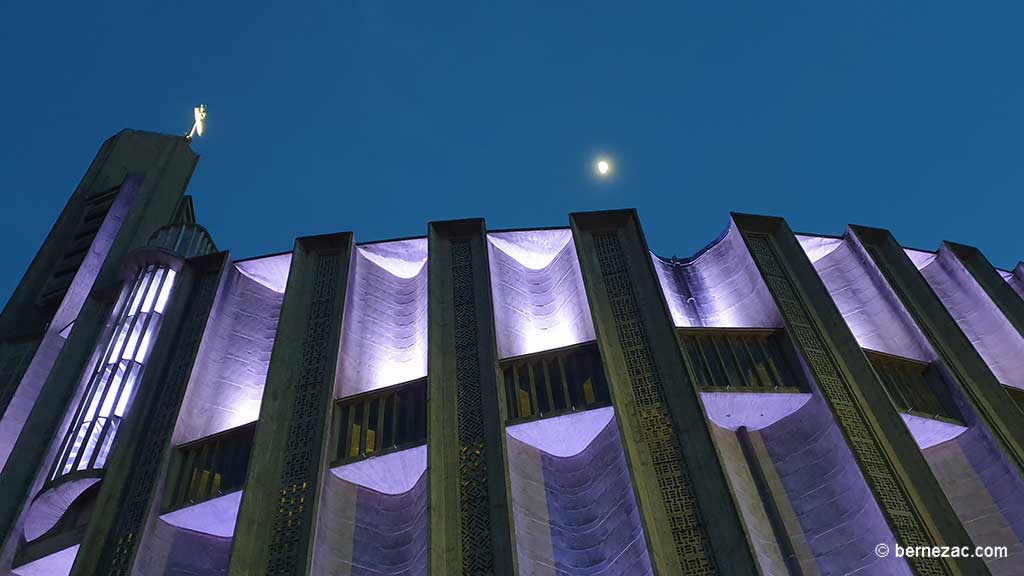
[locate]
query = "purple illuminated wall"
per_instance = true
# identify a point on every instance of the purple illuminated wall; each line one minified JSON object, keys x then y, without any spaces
{"x":721,"y":287}
{"x":363,"y":531}
{"x":576,"y":514}
{"x":978,"y":316}
{"x":384,"y":337}
{"x":171,"y":551}
{"x":878,"y":321}
{"x":226,"y":386}
{"x":837,"y":514}
{"x":539,"y":299}
{"x":983,"y":487}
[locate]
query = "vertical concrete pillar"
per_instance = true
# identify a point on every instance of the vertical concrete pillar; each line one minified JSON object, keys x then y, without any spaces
{"x":277,"y":518}
{"x":958,"y":356}
{"x":691,"y":521}
{"x":470,"y":515}
{"x":907,"y":493}
{"x":129,"y":490}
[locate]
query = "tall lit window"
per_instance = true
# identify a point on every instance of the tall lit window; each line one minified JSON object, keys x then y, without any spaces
{"x":112,"y":383}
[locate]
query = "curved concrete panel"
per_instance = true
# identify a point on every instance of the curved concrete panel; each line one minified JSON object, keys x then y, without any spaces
{"x":361,"y":531}
{"x":753,"y":410}
{"x":721,"y":287}
{"x":878,"y":321}
{"x":817,"y":247}
{"x":566,"y":435}
{"x":49,"y":507}
{"x":167,"y":550}
{"x":384,"y":337}
{"x":981,"y":320}
{"x":215,"y":517}
{"x":576,"y":515}
{"x":226,"y":387}
{"x":537,"y":288}
{"x":270,"y":271}
{"x":394,"y":473}
{"x":836,"y":510}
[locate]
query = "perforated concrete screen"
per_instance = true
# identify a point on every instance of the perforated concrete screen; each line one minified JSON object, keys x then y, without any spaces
{"x":469,"y":401}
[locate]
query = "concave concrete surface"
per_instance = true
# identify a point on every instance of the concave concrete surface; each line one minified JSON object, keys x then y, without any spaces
{"x":984,"y":488}
{"x":878,"y":321}
{"x":835,"y":510}
{"x":364,"y":532}
{"x":720,"y":287}
{"x":752,"y":410}
{"x":394,"y":473}
{"x":49,"y":507}
{"x":215,"y":516}
{"x":537,"y":288}
{"x":576,"y":515}
{"x":226,"y":387}
{"x":56,"y":564}
{"x":384,"y":337}
{"x":167,"y":550}
{"x":981,"y":320}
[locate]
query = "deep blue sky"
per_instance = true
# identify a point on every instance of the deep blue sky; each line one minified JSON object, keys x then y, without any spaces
{"x":378,"y":116}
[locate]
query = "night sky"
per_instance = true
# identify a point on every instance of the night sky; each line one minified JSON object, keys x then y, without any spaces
{"x":378,"y":116}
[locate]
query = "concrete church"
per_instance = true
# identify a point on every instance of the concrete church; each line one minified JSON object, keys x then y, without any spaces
{"x":545,"y":401}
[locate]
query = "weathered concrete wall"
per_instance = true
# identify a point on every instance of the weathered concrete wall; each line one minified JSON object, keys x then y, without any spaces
{"x":226,"y":387}
{"x":384,"y":339}
{"x":576,"y":515}
{"x":984,"y":324}
{"x":539,"y":299}
{"x":364,"y":532}
{"x":837,"y":512}
{"x":875,"y":317}
{"x":172,"y":551}
{"x":720,"y":287}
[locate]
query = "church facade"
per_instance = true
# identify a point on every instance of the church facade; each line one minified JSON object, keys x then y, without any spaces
{"x":471,"y":401}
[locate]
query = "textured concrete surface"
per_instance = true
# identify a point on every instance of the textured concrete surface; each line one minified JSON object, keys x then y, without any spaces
{"x":878,"y":321}
{"x":837,"y":513}
{"x":754,"y":410}
{"x":576,"y":515}
{"x":226,"y":387}
{"x":384,"y":337}
{"x":364,"y":532}
{"x":539,"y":299}
{"x":720,"y":287}
{"x":171,"y":551}
{"x":755,"y":517}
{"x":981,"y":320}
{"x":984,"y":489}
{"x":394,"y":473}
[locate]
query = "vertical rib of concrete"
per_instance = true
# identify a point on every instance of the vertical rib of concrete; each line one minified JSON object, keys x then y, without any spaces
{"x":152,"y":171}
{"x":964,"y":363}
{"x":899,"y":477}
{"x":1005,"y":299}
{"x":129,"y":489}
{"x":470,"y":515}
{"x":277,"y":518}
{"x":692,"y":523}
